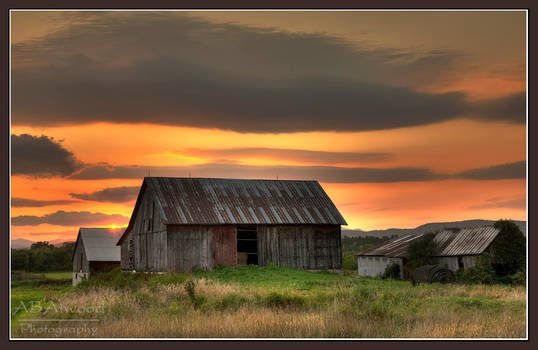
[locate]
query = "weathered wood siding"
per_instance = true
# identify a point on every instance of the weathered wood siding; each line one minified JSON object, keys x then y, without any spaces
{"x":125,"y":262}
{"x":225,"y":245}
{"x":190,"y":247}
{"x":148,"y":237}
{"x":80,"y":261}
{"x":300,"y":246}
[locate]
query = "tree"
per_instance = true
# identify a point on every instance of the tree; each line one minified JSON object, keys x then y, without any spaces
{"x":38,"y":245}
{"x":508,"y":249}
{"x":422,"y":252}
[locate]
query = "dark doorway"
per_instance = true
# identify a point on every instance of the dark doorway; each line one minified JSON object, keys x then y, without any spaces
{"x":247,"y":245}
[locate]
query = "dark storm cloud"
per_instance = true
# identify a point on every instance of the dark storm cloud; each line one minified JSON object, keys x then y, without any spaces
{"x":509,"y":108}
{"x":24,"y":202}
{"x":331,"y":174}
{"x":515,"y":170}
{"x":295,"y":155}
{"x":72,"y":218}
{"x":113,"y":195}
{"x":176,"y":70}
{"x":41,"y":157}
{"x":321,"y":173}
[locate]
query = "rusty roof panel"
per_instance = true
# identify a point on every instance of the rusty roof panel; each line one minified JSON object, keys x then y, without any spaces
{"x":467,"y":241}
{"x":470,"y":241}
{"x":234,"y":201}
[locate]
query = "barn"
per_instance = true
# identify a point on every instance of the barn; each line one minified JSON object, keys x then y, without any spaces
{"x":457,"y":249}
{"x":95,"y":251}
{"x":185,"y":224}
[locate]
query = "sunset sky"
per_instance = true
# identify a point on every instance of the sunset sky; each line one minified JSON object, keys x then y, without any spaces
{"x":403,"y":117}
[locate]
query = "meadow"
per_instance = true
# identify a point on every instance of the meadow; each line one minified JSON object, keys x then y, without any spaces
{"x":262,"y":302}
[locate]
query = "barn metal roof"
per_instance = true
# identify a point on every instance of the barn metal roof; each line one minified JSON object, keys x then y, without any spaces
{"x":396,"y":247}
{"x":234,"y":201}
{"x":467,"y":241}
{"x":100,"y":243}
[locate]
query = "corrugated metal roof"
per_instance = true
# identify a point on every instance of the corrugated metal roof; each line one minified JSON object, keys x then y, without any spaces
{"x":233,"y":201}
{"x":467,"y":241}
{"x":100,"y":243}
{"x":396,"y":247}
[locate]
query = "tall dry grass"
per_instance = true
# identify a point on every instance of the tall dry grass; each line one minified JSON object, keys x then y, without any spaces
{"x":228,"y":310}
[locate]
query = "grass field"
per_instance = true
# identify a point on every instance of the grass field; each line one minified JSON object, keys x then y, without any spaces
{"x":266,"y":302}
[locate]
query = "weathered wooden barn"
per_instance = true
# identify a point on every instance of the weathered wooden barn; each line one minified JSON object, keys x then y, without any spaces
{"x":181,"y":224}
{"x":457,"y":249}
{"x":95,"y":251}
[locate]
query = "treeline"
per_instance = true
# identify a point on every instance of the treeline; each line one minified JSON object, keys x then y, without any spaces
{"x":43,"y":257}
{"x":357,"y":244}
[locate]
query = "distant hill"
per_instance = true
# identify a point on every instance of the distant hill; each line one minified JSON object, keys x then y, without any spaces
{"x":60,"y":242}
{"x":434,"y":226}
{"x":21,"y":243}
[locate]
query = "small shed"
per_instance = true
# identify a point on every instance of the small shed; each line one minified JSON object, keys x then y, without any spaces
{"x":457,"y":249}
{"x":95,"y":251}
{"x":184,"y":224}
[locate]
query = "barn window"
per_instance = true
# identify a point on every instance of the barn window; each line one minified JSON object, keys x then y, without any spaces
{"x":460,"y":262}
{"x":247,"y":245}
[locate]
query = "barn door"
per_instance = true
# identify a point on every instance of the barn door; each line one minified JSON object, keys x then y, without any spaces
{"x":247,"y":245}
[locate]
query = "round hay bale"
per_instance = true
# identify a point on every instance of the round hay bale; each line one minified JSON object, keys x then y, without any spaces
{"x":431,"y":274}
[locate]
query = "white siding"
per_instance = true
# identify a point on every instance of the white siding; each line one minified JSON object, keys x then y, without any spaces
{"x":375,"y":265}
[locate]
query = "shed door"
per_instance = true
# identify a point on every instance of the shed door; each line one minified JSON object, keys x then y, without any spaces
{"x":224,"y":239}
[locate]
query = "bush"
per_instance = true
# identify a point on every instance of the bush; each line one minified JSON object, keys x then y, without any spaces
{"x":349,"y":262}
{"x":508,"y":249}
{"x":392,"y":271}
{"x":422,"y":252}
{"x":483,"y":272}
{"x":277,"y":299}
{"x":517,"y":279}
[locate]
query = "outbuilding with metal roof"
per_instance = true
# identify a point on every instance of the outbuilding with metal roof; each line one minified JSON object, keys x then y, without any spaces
{"x":95,"y":251}
{"x":456,"y":249}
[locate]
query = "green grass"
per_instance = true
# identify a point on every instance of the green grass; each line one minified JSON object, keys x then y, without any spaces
{"x":280,"y":302}
{"x":27,"y":294}
{"x":272,"y":277}
{"x":59,"y":275}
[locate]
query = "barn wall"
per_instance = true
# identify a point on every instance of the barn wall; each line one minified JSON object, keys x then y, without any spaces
{"x":78,"y":254}
{"x":375,"y":265}
{"x":125,"y":262}
{"x":190,"y":247}
{"x":148,"y":237}
{"x":300,"y":246}
{"x":452,"y":261}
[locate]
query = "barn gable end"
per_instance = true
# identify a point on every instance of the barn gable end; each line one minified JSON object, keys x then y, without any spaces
{"x":143,"y":245}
